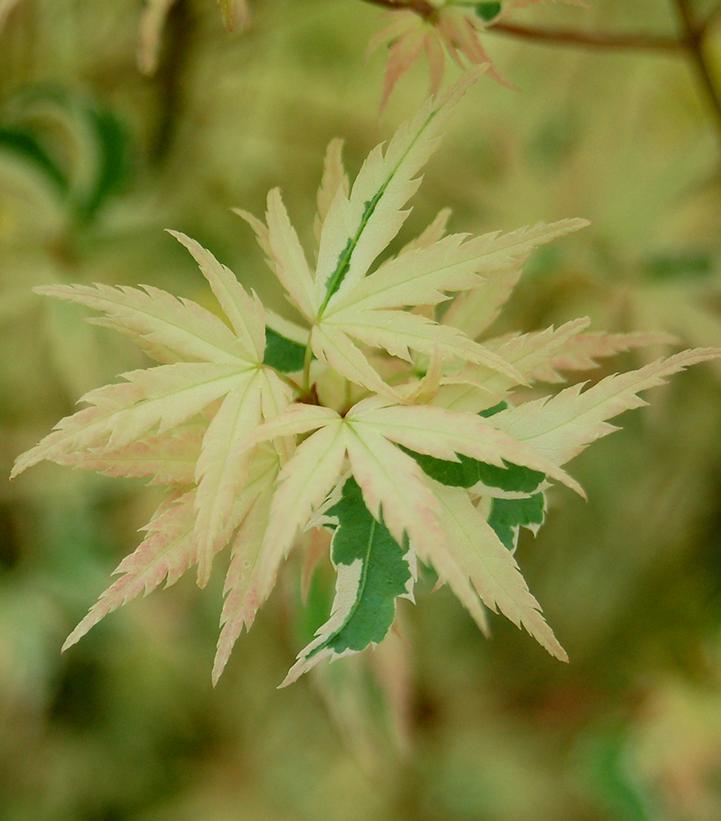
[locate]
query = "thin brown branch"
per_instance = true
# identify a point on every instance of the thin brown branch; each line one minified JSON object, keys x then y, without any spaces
{"x":420,"y":7}
{"x":565,"y":37}
{"x":694,"y":35}
{"x":590,"y":39}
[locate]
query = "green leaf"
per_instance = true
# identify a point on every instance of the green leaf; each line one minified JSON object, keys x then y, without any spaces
{"x":468,"y":472}
{"x":281,"y":353}
{"x":488,"y":11}
{"x":41,"y":121}
{"x":373,"y":571}
{"x":112,"y":161}
{"x":25,"y":145}
{"x":681,"y":265}
{"x":494,"y":410}
{"x":508,"y":515}
{"x":385,"y":571}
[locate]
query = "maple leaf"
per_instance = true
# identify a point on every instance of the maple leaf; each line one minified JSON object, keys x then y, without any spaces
{"x":377,"y":423}
{"x":228,"y":366}
{"x":373,"y":571}
{"x":562,"y":426}
{"x":171,"y":547}
{"x":446,"y":31}
{"x":345,"y":302}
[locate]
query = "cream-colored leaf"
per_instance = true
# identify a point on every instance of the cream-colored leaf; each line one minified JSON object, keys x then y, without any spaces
{"x":262,"y":236}
{"x":466,"y":398}
{"x":475,"y":311}
{"x":431,"y":234}
{"x":400,"y":332}
{"x":337,"y":350}
{"x":161,"y":398}
{"x":223,"y":467}
{"x":240,"y":605}
{"x":423,"y":391}
{"x":359,"y":226}
{"x":275,"y":398}
{"x":421,"y":276}
{"x":393,"y":486}
{"x":562,"y":426}
{"x":334,"y":179}
{"x":455,"y":263}
{"x":532,"y":355}
{"x":348,"y":582}
{"x":245,"y":312}
{"x":304,"y":482}
{"x":443,"y":434}
{"x":291,"y":266}
{"x":167,"y":551}
{"x":286,"y":327}
{"x":581,"y":352}
{"x":480,"y":556}
{"x":295,"y":419}
{"x":178,"y":328}
{"x":166,"y":459}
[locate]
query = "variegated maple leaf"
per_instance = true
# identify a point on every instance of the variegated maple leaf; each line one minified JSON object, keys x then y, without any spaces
{"x":134,"y":427}
{"x":381,"y":421}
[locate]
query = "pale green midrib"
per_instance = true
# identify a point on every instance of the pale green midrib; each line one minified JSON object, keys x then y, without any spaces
{"x":403,"y":284}
{"x":343,"y":264}
{"x":508,"y":249}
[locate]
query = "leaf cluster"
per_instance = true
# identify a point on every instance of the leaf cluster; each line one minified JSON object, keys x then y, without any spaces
{"x":376,"y":416}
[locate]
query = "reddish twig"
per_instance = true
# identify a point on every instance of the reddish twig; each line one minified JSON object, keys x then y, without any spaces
{"x":420,"y":7}
{"x":589,"y":39}
{"x":566,"y":37}
{"x":690,"y":43}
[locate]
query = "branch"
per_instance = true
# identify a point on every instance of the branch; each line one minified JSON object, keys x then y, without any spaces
{"x":590,"y":39}
{"x":421,"y":7}
{"x":566,"y":37}
{"x":694,"y":35}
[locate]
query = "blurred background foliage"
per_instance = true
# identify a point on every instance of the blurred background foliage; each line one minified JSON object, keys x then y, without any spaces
{"x":95,"y":160}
